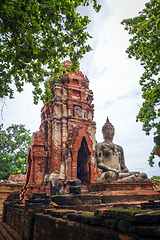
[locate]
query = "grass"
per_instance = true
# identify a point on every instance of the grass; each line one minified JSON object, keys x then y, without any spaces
{"x":156,"y":178}
{"x":87,"y":214}
{"x":136,"y":211}
{"x":127,"y":210}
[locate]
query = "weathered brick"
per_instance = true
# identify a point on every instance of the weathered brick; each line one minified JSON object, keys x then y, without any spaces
{"x":66,"y":126}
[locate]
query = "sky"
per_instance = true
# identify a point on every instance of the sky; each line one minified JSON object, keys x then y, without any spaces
{"x":114,"y":80}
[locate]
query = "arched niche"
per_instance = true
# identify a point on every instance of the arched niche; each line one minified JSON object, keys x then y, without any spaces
{"x":83,"y":163}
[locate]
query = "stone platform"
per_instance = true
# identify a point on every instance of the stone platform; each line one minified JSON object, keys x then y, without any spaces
{"x":109,"y":194}
{"x":114,"y":186}
{"x":40,"y":218}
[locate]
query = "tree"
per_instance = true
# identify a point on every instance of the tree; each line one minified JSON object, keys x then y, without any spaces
{"x":145,"y":46}
{"x":14,"y":145}
{"x":35,"y":36}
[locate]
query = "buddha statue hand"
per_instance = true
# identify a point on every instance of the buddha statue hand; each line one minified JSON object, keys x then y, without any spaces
{"x":117,"y":173}
{"x":125,"y":170}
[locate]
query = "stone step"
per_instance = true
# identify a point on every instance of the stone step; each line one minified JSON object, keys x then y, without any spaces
{"x":4,"y":234}
{"x":8,"y":233}
{"x":138,"y":224}
{"x":114,"y":186}
{"x":151,"y":204}
{"x":129,"y":197}
{"x":105,"y":197}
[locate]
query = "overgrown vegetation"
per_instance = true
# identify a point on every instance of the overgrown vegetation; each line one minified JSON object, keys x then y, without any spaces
{"x":145,"y":46}
{"x":14,"y":144}
{"x":156,"y":178}
{"x":35,"y":36}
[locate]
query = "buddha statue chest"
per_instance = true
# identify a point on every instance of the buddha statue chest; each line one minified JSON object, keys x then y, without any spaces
{"x":111,"y":156}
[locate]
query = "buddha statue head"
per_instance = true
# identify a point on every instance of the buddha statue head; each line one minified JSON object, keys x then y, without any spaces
{"x":108,"y":130}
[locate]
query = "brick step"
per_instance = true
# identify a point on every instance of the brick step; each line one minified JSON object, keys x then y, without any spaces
{"x":151,"y":204}
{"x":83,"y":207}
{"x":8,"y":233}
{"x":129,"y":198}
{"x":114,"y":186}
{"x":105,"y":198}
{"x":138,"y":224}
{"x":126,"y":192}
{"x":4,"y":234}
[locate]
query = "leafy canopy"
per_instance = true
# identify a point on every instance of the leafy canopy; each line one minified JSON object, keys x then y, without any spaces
{"x":14,"y":144}
{"x":145,"y":46}
{"x":35,"y":36}
{"x":156,"y":178}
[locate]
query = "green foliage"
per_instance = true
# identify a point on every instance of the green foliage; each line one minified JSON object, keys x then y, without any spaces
{"x":156,"y":178}
{"x":35,"y":36}
{"x":145,"y":46}
{"x":14,"y":145}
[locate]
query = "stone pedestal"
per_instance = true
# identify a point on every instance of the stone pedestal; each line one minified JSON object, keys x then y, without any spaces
{"x":120,"y":187}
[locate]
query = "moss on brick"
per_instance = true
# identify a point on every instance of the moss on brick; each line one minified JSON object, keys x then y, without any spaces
{"x":87,"y":214}
{"x":127,"y":210}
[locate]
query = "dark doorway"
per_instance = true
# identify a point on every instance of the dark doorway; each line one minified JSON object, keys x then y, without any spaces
{"x":83,"y":163}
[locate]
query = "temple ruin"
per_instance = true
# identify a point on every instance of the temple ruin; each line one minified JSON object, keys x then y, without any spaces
{"x":64,"y":147}
{"x":63,"y":152}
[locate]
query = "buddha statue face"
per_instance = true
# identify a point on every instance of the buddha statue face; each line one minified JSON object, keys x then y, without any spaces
{"x":108,"y":131}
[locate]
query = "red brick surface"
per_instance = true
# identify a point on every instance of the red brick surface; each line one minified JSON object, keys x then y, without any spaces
{"x":18,"y":178}
{"x":38,"y":222}
{"x":8,"y":233}
{"x":65,"y":121}
{"x":158,"y":151}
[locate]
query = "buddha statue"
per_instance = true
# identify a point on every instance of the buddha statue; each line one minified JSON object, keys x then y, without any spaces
{"x":110,"y":159}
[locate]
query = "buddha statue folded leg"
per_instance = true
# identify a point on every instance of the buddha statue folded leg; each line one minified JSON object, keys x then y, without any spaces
{"x":108,"y":177}
{"x":136,"y":177}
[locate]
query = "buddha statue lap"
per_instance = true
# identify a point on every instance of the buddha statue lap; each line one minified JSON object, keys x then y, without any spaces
{"x":110,"y":159}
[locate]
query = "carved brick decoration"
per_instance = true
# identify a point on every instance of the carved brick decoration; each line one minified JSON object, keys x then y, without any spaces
{"x":64,"y":147}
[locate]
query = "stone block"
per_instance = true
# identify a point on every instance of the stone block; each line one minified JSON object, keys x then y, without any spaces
{"x":74,"y":182}
{"x":124,"y":226}
{"x":74,"y":217}
{"x":147,"y":231}
{"x":85,"y":219}
{"x":75,"y":189}
{"x":111,"y":223}
{"x":94,"y":220}
{"x":150,"y":217}
{"x":55,"y":187}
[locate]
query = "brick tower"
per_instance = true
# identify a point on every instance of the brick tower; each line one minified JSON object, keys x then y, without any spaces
{"x":64,"y":147}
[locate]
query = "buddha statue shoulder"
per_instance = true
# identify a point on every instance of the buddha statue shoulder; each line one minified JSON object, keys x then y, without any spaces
{"x":110,"y":159}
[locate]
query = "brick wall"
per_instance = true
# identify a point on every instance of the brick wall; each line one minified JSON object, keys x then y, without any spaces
{"x":37,"y":219}
{"x":6,"y":190}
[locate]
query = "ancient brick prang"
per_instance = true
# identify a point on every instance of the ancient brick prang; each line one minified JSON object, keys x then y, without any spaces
{"x":64,"y":147}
